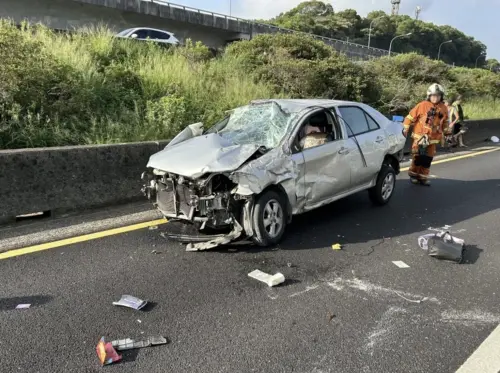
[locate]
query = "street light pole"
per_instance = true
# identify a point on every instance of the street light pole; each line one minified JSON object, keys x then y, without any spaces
{"x":439,"y":52}
{"x":370,"y":31}
{"x":230,"y":7}
{"x":397,"y":37}
{"x":477,"y":59}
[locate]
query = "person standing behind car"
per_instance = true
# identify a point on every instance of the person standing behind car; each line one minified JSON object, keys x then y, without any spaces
{"x":458,"y":128}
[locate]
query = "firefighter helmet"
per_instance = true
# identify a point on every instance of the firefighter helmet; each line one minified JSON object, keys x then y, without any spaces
{"x":435,"y":89}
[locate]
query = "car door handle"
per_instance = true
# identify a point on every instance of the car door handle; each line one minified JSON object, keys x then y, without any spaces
{"x":344,"y":150}
{"x":379,"y":139}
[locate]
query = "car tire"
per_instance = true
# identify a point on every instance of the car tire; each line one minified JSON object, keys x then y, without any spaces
{"x":269,"y":218}
{"x":383,"y":190}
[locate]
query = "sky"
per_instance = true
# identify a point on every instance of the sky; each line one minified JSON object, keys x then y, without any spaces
{"x":477,"y":18}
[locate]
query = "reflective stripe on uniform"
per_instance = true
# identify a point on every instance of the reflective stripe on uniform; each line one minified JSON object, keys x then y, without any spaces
{"x":410,"y":118}
{"x":434,"y":141}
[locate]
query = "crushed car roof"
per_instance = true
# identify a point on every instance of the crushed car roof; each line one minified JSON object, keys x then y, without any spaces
{"x":297,"y":105}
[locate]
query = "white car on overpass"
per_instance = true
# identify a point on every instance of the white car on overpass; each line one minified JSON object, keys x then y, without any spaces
{"x":146,"y":33}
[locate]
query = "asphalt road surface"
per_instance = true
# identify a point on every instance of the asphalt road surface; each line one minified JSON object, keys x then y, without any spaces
{"x":339,"y":311}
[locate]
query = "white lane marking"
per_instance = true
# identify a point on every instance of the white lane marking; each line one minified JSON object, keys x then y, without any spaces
{"x":486,"y":359}
{"x":400,"y":264}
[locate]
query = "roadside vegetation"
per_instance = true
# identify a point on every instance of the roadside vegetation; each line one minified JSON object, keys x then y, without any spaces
{"x":88,"y":88}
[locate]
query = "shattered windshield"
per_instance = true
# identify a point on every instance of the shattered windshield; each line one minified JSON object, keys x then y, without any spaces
{"x":261,"y":124}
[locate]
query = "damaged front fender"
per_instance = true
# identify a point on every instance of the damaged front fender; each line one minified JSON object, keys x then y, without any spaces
{"x":272,"y":168}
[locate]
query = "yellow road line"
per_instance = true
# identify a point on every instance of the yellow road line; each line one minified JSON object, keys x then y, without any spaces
{"x":86,"y":237}
{"x":459,"y":157}
{"x":130,"y":228}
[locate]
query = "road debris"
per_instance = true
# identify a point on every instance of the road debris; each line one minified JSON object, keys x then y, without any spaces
{"x":23,"y":306}
{"x":400,"y":264}
{"x":107,"y":353}
{"x":337,"y":246}
{"x":495,"y":139}
{"x":411,"y":300}
{"x":153,"y":228}
{"x":270,"y":280}
{"x":130,"y":301}
{"x":443,"y":245}
{"x":331,"y":316}
{"x":130,"y":344}
{"x":156,"y":252}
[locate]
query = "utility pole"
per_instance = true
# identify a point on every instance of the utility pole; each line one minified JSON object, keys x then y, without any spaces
{"x":397,"y":37}
{"x":418,"y":9}
{"x":395,"y":7}
{"x":440,"y":45}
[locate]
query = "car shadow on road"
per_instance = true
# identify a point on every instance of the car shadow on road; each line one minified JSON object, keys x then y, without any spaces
{"x":412,"y":210}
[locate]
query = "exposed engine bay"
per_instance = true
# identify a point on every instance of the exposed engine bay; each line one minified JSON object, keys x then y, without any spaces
{"x":207,"y":201}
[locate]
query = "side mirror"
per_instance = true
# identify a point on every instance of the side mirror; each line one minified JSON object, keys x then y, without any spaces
{"x":133,"y":36}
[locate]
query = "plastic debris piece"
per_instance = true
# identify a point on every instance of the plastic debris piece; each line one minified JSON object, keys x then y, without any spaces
{"x":495,"y":139}
{"x":153,"y":228}
{"x":423,"y":241}
{"x":130,"y":344}
{"x":156,"y":252}
{"x":130,"y":301}
{"x":337,"y":246}
{"x":446,"y":247}
{"x":270,"y":280}
{"x":400,"y":264}
{"x":23,"y":306}
{"x":106,"y":353}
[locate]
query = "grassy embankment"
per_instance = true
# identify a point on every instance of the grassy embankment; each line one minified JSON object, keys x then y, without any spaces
{"x":91,"y":88}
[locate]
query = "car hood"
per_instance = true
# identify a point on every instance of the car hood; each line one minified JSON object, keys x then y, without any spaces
{"x":199,"y":155}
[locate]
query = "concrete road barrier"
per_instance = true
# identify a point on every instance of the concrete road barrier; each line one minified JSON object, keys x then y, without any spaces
{"x":479,"y":131}
{"x":81,"y":177}
{"x":71,"y":178}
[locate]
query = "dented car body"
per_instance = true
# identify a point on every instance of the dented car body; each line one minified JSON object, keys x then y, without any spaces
{"x":246,"y":177}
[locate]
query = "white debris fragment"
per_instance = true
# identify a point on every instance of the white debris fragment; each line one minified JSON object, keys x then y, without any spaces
{"x":400,"y":264}
{"x":495,"y":139}
{"x":23,"y":306}
{"x":270,"y":280}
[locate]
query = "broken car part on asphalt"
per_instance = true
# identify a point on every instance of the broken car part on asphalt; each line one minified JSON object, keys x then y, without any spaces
{"x":443,"y":245}
{"x":130,"y":344}
{"x":130,"y":301}
{"x":106,"y":353}
{"x":246,"y":176}
{"x":270,"y":280}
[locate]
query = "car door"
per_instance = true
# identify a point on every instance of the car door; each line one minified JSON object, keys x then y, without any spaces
{"x":361,"y":127}
{"x":326,"y":170}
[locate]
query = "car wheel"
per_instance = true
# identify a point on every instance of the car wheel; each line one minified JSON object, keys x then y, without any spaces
{"x":269,"y":219}
{"x":382,"y":192}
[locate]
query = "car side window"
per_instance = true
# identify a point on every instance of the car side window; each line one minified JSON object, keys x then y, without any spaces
{"x":317,"y":129}
{"x":357,"y":121}
{"x":371,"y":123}
{"x":159,"y":35}
{"x":141,"y":34}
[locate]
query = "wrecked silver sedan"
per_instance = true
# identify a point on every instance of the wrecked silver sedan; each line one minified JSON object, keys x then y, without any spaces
{"x":244,"y":178}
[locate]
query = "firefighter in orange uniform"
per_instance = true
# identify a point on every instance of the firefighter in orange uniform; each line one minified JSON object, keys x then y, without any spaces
{"x":429,"y":120}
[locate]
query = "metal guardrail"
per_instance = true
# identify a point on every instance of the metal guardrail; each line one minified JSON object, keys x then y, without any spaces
{"x":228,"y":17}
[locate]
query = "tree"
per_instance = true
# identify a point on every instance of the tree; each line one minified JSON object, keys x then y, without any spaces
{"x":320,"y":18}
{"x":492,"y":64}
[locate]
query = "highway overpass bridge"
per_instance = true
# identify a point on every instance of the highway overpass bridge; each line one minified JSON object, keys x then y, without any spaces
{"x":214,"y":30}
